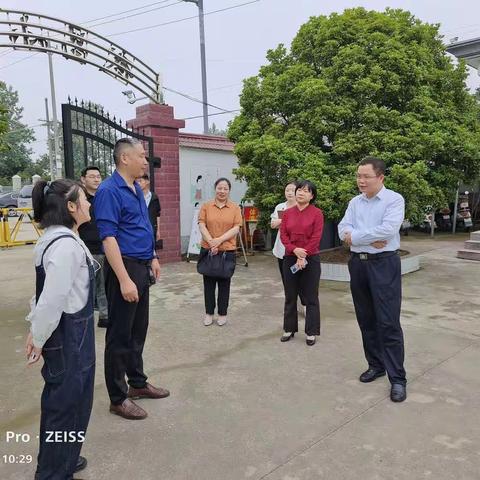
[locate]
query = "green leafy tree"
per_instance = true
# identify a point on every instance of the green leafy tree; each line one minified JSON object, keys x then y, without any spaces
{"x":41,"y":167}
{"x":3,"y":126}
{"x":214,"y":130}
{"x":3,"y":131}
{"x":355,"y":84}
{"x":14,"y":151}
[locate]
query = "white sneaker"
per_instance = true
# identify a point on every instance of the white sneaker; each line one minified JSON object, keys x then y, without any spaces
{"x":222,"y":320}
{"x":208,"y":320}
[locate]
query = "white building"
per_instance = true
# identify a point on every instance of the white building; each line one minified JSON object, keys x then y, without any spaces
{"x":203,"y":159}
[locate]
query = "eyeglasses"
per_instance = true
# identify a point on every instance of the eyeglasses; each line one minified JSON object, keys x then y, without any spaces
{"x":365,"y":177}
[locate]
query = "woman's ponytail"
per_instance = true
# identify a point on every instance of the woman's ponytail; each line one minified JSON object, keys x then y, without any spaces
{"x":38,"y":199}
{"x":50,"y":199}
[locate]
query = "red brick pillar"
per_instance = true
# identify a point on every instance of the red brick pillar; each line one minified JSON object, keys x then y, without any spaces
{"x":158,"y":121}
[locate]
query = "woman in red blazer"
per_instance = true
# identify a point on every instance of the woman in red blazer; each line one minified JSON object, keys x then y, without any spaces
{"x":301,"y":231}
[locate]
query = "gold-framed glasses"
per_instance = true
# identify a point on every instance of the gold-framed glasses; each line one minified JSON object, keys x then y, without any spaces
{"x":365,"y":177}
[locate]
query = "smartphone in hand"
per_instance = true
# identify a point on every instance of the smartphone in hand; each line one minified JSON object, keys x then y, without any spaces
{"x":295,"y":268}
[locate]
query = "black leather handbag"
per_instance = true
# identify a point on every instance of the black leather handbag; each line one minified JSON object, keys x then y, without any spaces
{"x":221,"y":265}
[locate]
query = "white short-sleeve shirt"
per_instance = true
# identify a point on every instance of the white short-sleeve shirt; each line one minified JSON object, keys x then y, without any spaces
{"x":278,"y":248}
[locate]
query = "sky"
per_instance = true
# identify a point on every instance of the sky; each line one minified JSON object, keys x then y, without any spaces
{"x":236,"y":44}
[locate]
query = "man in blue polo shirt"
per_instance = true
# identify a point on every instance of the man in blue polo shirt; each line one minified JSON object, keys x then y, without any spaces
{"x":126,"y":232}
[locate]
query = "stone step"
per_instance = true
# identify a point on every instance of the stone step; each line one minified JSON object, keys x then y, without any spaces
{"x":472,"y":244}
{"x":475,"y":236}
{"x":469,"y":254}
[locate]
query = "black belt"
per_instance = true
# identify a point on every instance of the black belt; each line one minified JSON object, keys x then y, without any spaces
{"x":373,"y":256}
{"x":138,"y":260}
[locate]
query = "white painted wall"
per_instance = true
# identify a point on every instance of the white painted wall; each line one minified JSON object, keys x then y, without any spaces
{"x":210,"y":165}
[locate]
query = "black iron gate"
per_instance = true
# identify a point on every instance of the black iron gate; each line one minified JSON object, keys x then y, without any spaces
{"x":89,"y":135}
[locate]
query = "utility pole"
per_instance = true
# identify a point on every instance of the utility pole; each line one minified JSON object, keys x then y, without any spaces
{"x":56,"y":141}
{"x":203,"y":60}
{"x":49,"y":143}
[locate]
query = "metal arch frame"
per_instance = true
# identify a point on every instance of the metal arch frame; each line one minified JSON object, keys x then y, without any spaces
{"x":72,"y":42}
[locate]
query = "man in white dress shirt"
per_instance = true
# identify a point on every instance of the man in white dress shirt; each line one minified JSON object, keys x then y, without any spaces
{"x":370,"y":228}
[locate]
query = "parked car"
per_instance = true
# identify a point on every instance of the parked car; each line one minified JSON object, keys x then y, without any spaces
{"x":25,"y":197}
{"x":9,"y":200}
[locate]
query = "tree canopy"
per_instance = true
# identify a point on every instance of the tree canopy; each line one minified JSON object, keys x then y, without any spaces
{"x":3,"y":126}
{"x":15,"y":136}
{"x":355,"y":84}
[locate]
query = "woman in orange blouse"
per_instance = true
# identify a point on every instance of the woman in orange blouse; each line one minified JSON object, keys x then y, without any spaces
{"x":219,"y":221}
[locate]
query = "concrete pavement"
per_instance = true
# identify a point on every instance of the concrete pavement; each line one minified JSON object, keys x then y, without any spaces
{"x":245,"y":406}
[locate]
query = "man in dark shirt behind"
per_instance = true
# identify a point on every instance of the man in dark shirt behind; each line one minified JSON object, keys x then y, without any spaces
{"x":127,"y":235}
{"x":91,"y":179}
{"x":153,"y":205}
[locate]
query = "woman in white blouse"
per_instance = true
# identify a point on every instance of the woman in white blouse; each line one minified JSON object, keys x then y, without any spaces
{"x":62,"y":328}
{"x":276,"y":221}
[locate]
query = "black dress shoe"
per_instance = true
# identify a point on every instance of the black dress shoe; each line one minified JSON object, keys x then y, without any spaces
{"x":286,"y":338}
{"x":398,"y":393}
{"x":371,"y":374}
{"x":310,"y":342}
{"x":81,"y":465}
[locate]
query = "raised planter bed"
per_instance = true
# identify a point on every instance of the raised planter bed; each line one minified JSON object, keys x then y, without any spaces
{"x":334,"y":264}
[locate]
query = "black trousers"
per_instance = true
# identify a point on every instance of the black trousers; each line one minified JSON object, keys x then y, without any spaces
{"x":210,"y":286}
{"x":280,"y":267}
{"x":376,"y":286}
{"x":304,"y":283}
{"x":126,"y":332}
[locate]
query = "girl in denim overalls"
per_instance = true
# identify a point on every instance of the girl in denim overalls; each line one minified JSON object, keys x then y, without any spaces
{"x":62,"y":328}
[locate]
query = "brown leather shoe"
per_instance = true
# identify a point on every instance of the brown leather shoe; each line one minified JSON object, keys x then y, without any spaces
{"x":149,"y":391}
{"x":129,"y":410}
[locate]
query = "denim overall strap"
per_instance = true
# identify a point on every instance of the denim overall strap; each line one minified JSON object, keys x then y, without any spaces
{"x":40,"y":270}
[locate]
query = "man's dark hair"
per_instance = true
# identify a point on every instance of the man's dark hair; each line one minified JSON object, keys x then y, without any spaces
{"x":120,"y":146}
{"x":377,"y":164}
{"x":223,"y":179}
{"x":87,"y":169}
{"x":50,"y":202}
{"x":311,"y":187}
{"x":145,"y":176}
